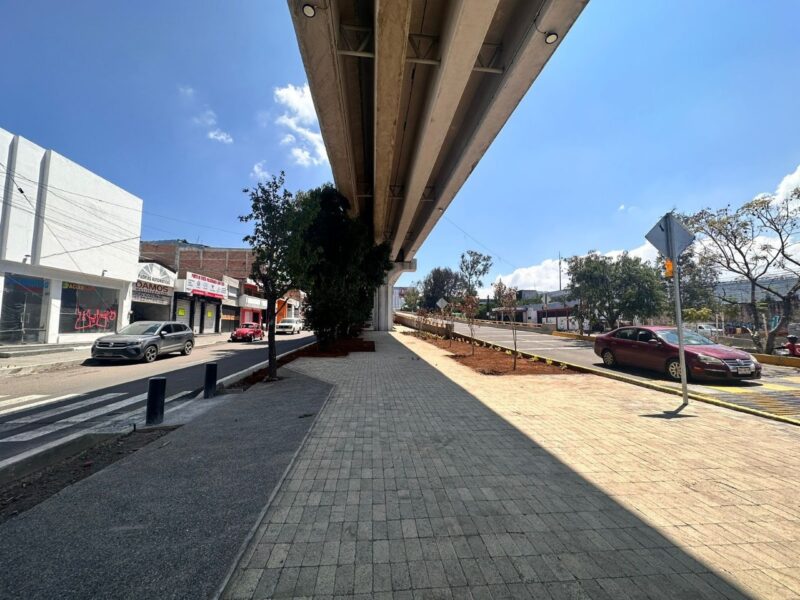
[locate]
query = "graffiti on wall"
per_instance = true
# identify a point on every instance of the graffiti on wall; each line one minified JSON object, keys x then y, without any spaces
{"x":97,"y":319}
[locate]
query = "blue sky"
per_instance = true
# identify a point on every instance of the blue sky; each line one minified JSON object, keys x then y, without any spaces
{"x":648,"y":105}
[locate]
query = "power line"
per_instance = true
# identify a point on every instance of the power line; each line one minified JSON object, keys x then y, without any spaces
{"x":477,"y":241}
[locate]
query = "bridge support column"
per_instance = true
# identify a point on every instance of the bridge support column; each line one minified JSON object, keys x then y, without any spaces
{"x":382,"y":309}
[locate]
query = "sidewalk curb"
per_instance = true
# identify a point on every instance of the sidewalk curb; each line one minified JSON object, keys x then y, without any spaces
{"x":239,"y":375}
{"x":645,"y":384}
{"x":230,"y":577}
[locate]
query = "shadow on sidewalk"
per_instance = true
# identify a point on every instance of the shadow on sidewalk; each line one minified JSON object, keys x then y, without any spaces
{"x":506,"y":510}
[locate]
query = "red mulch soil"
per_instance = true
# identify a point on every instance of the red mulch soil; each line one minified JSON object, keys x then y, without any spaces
{"x":495,"y":362}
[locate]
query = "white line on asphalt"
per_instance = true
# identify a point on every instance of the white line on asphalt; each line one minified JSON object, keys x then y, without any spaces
{"x":20,"y":400}
{"x":64,"y":423}
{"x":139,"y":412}
{"x":62,"y":409}
{"x":16,"y":408}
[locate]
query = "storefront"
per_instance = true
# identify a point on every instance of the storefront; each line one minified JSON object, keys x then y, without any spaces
{"x":229,"y":311}
{"x":253,"y":309}
{"x":24,"y":312}
{"x":153,"y":293}
{"x":198,"y":302}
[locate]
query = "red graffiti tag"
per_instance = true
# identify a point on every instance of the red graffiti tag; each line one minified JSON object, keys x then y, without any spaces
{"x":100,"y":319}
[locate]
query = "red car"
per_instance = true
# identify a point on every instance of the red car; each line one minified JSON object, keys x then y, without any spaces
{"x":247,"y":332}
{"x":656,"y":349}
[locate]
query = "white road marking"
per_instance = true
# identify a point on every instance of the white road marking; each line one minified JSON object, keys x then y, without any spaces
{"x":64,"y":423}
{"x":62,"y":409}
{"x":140,"y":412}
{"x":21,"y":400}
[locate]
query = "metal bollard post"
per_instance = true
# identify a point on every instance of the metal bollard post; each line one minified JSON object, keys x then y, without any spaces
{"x":210,"y":387}
{"x":156,"y":391}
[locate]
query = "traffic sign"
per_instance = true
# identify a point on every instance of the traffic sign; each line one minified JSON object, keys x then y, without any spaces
{"x":441,"y":303}
{"x":670,"y":236}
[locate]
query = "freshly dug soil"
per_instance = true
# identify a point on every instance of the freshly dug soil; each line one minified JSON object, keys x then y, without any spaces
{"x":495,"y":362}
{"x":20,"y":495}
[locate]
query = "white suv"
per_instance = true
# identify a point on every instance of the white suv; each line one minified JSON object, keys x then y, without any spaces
{"x":290,"y":326}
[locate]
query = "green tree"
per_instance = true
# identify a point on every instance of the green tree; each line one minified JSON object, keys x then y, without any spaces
{"x":441,"y":282}
{"x":614,"y":289}
{"x":699,"y":278}
{"x":334,"y":260}
{"x":272,"y":213}
{"x":411,"y":298}
{"x":473,"y":268}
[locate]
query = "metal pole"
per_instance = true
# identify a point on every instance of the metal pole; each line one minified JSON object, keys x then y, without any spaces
{"x":156,"y":391}
{"x":678,"y":316}
{"x":210,"y":387}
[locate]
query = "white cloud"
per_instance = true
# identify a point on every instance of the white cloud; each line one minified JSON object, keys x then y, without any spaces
{"x":307,"y":147}
{"x":220,"y":136}
{"x":259,"y":173}
{"x":621,"y":207}
{"x":298,"y":100}
{"x":788,"y":184}
{"x":544,"y":276}
{"x":186,"y":91}
{"x":207,"y":118}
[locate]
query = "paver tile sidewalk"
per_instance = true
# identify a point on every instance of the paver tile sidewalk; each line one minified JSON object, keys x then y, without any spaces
{"x":422,"y":478}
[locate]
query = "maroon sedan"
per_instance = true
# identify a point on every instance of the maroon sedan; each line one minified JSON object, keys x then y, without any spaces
{"x":656,"y":349}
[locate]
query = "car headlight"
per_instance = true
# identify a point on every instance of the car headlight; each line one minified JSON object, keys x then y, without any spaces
{"x":753,"y":358}
{"x":709,"y":360}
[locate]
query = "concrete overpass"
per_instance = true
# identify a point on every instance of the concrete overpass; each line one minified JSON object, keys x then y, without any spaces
{"x":411,"y":93}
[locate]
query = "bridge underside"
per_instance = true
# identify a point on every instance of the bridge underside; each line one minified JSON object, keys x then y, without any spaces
{"x":411,"y":93}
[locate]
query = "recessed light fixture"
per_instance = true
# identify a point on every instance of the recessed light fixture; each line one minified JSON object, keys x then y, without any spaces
{"x":309,"y":10}
{"x":550,"y":38}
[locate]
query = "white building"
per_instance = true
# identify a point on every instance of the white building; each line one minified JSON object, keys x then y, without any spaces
{"x":69,"y":248}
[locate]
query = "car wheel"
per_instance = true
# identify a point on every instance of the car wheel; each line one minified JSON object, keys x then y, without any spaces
{"x":187,"y":348}
{"x":674,"y":369}
{"x":150,"y":354}
{"x":609,"y":359}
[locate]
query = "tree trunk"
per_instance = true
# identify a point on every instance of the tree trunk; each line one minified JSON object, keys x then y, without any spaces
{"x":786,"y":316}
{"x":272,"y":351}
{"x":755,"y":332}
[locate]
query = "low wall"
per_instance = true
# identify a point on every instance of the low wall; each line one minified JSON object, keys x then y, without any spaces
{"x":573,"y":336}
{"x":436,"y":327}
{"x":781,"y":361}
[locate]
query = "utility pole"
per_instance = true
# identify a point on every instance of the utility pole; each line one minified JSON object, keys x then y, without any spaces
{"x":559,"y":271}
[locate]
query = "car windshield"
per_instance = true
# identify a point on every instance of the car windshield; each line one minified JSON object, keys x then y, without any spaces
{"x":249,"y":325}
{"x":288,"y":321}
{"x":140,"y":329}
{"x":690,"y":338}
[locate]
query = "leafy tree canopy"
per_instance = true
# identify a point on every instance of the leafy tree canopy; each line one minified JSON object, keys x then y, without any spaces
{"x":441,"y":282}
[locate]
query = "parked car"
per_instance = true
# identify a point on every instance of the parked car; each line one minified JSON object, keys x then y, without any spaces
{"x":656,"y":349}
{"x":289,"y":325}
{"x":247,"y":332}
{"x":145,"y":340}
{"x":706,"y":329}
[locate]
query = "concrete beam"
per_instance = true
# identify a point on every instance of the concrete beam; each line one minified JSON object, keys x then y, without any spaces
{"x":465,"y":31}
{"x":556,"y":16}
{"x":317,"y":37}
{"x":392,"y":23}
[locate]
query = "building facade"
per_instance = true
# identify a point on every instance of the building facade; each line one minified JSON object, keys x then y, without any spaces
{"x":214,"y":291}
{"x":69,"y":248}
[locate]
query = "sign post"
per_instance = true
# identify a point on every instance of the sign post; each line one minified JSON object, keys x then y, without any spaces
{"x":671,"y":238}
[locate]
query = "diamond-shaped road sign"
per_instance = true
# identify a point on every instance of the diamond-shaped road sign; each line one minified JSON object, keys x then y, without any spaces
{"x":441,"y":303}
{"x":670,"y":227}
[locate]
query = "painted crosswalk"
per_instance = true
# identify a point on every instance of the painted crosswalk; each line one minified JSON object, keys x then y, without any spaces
{"x":20,"y":403}
{"x":62,"y":418}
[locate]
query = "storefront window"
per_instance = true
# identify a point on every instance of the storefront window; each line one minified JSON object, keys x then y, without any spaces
{"x":23,"y":317}
{"x":87,"y":309}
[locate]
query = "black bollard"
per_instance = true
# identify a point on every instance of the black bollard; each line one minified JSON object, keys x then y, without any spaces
{"x":210,"y":387}
{"x":156,"y":391}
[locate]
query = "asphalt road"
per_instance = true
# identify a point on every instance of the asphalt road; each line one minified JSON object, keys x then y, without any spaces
{"x":43,"y":409}
{"x":777,"y":392}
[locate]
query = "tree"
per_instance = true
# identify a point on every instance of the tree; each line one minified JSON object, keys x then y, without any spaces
{"x":508,"y":302}
{"x":754,"y":242}
{"x":613,"y":289}
{"x":411,"y":298}
{"x":334,"y":260}
{"x":469,"y":308}
{"x":473,"y":268}
{"x":272,"y":213}
{"x":699,"y":278}
{"x":441,"y":282}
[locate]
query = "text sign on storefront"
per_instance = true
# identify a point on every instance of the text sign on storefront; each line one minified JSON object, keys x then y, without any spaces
{"x":155,"y":284}
{"x":200,"y":285}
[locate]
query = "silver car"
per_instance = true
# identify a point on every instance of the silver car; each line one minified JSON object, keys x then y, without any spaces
{"x":145,"y":340}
